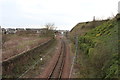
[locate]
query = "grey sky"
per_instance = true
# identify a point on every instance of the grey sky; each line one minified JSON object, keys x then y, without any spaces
{"x":65,"y":14}
{"x":119,"y":6}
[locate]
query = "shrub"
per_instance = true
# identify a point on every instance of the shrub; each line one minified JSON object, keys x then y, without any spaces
{"x":91,"y":52}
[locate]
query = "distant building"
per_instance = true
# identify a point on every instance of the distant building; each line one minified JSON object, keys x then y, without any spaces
{"x":20,"y":29}
{"x":119,"y":7}
{"x":10,"y":31}
{"x":42,"y":30}
{"x":31,"y":30}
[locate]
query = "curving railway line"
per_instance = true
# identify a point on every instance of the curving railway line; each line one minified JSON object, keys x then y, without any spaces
{"x":59,"y":65}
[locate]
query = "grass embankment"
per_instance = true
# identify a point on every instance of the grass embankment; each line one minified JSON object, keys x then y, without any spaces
{"x":98,"y":52}
{"x":82,"y":28}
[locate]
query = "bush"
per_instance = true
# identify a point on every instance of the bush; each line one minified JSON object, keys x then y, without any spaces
{"x":91,"y":52}
{"x":99,"y":45}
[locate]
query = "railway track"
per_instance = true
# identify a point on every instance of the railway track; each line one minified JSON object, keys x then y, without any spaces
{"x":59,"y":65}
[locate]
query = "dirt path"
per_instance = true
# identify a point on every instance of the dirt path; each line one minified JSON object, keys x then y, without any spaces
{"x":67,"y":68}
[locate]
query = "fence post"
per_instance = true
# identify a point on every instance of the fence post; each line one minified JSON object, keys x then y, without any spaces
{"x":76,"y":46}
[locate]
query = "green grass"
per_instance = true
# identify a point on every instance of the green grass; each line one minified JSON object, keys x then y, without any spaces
{"x":99,"y":51}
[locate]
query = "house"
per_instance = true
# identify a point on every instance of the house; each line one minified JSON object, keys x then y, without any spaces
{"x":37,"y":30}
{"x":42,"y":30}
{"x":10,"y":31}
{"x":20,"y":29}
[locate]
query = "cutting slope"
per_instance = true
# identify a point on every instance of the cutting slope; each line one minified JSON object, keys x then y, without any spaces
{"x":98,"y":51}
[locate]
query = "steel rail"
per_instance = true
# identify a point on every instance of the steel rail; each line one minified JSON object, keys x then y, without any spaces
{"x":63,"y":54}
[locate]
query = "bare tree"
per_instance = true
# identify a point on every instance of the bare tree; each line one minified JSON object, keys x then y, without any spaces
{"x":50,"y":29}
{"x":49,"y":26}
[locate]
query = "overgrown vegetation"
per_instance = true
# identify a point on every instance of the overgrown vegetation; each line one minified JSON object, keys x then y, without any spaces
{"x":98,"y":51}
{"x":16,"y":66}
{"x":13,"y":44}
{"x":27,"y":49}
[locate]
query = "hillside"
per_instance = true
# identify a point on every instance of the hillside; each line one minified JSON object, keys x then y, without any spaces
{"x":97,"y":49}
{"x":83,"y":27}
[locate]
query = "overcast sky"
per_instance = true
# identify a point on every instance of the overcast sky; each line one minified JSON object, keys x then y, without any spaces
{"x":65,"y":14}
